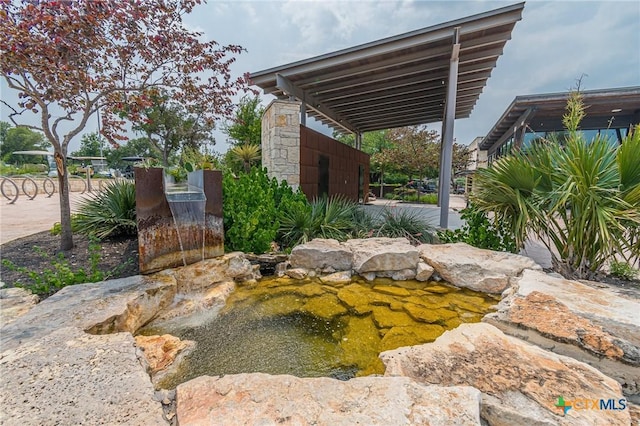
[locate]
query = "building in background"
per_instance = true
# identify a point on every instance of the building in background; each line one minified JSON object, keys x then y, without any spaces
{"x":609,"y":112}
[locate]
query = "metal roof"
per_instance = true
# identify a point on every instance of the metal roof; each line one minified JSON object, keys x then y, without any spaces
{"x":397,"y":81}
{"x":619,"y":107}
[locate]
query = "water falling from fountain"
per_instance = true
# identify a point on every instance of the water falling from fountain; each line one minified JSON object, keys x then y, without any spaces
{"x":187,"y":203}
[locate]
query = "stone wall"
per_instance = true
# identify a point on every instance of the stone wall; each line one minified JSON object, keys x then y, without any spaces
{"x":281,"y":141}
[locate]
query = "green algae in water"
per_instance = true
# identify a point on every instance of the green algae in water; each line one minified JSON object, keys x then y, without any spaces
{"x":311,"y":329}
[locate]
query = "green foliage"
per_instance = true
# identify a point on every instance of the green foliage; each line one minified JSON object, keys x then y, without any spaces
{"x":396,"y":223}
{"x":252,"y":206}
{"x":582,"y":200}
{"x":109,"y":213}
{"x":57,"y":227}
{"x":246,"y":126}
{"x":623,"y":270}
{"x":324,"y":217}
{"x":20,"y":139}
{"x":342,"y":219}
{"x":91,"y":145}
{"x":481,"y":232}
{"x":60,"y":274}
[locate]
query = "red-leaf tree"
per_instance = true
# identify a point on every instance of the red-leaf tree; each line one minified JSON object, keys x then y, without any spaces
{"x":69,"y":58}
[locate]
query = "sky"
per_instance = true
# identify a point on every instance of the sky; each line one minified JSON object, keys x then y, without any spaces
{"x":555,"y":43}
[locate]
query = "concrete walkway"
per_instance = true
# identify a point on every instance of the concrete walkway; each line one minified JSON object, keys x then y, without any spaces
{"x":26,"y":217}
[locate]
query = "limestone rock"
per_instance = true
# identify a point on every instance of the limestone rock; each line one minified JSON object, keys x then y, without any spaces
{"x":320,"y":254}
{"x":203,"y":275}
{"x":525,"y":379}
{"x":195,"y":302}
{"x":70,"y":377}
{"x":103,"y":307}
{"x":15,"y":302}
{"x":482,"y":270}
{"x":424,"y":271}
{"x":296,"y":273}
{"x":382,"y":254}
{"x":337,"y":278}
{"x":260,"y":399}
{"x":161,"y":351}
{"x":594,"y":325}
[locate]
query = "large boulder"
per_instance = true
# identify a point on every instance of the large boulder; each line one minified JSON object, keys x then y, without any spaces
{"x":592,"y":323}
{"x":321,"y":254}
{"x":521,"y":383}
{"x":201,"y":276}
{"x":383,"y":255}
{"x":70,"y":377}
{"x":99,"y":308}
{"x":477,"y":269}
{"x":261,"y":399}
{"x":15,"y":302}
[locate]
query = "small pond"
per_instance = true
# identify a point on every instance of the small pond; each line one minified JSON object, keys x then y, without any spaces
{"x":309,"y":328}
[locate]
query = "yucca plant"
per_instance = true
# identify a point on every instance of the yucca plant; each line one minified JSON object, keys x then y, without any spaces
{"x":109,"y":213}
{"x":582,"y":200}
{"x":326,"y":217}
{"x":395,"y":223}
{"x":246,"y":154}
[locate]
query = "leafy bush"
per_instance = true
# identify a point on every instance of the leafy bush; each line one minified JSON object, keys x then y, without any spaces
{"x":252,"y":204}
{"x":623,"y":270}
{"x":61,"y":274}
{"x":109,"y":213}
{"x":480,"y":232}
{"x":581,"y":199}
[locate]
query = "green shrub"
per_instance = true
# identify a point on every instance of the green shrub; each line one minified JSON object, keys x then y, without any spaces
{"x":480,"y":232}
{"x":252,"y":206}
{"x":333,"y":217}
{"x":111,"y":212}
{"x":623,"y":270}
{"x":60,"y":274}
{"x":396,"y":223}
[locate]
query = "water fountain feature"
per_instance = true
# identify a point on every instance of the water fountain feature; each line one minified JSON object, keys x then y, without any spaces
{"x":187,"y":202}
{"x":178,"y":224}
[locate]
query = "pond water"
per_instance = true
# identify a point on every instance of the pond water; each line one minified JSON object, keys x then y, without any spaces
{"x":309,"y":328}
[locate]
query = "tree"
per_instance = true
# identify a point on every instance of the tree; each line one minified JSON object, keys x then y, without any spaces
{"x":19,"y":139}
{"x":169,"y":126}
{"x":68,"y":59}
{"x":246,"y":125}
{"x":140,"y":147}
{"x":90,"y":146}
{"x":415,"y":151}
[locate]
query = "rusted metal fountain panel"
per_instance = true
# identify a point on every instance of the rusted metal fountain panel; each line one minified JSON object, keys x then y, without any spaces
{"x":158,"y":242}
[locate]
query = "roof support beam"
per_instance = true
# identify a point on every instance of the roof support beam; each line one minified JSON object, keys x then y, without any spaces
{"x":446,"y":156}
{"x":288,"y":87}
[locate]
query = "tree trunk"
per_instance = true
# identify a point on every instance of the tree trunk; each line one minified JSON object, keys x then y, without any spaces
{"x":66,"y":235}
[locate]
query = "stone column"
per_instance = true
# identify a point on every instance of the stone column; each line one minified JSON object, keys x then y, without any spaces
{"x":281,"y":141}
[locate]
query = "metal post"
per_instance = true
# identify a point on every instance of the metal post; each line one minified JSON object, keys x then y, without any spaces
{"x":303,"y":113}
{"x":358,"y":141}
{"x":447,"y":137}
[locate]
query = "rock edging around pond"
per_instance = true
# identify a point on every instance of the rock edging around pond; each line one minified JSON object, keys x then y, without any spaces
{"x":57,"y":367}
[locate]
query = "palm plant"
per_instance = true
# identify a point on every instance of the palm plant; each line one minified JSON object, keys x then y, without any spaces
{"x":109,"y":213}
{"x":581,"y":199}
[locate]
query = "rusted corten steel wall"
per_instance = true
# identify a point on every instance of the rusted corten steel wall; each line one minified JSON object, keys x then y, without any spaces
{"x":344,"y":165}
{"x":158,"y":243}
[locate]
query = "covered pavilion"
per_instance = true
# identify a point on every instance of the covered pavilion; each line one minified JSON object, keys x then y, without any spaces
{"x":434,"y":74}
